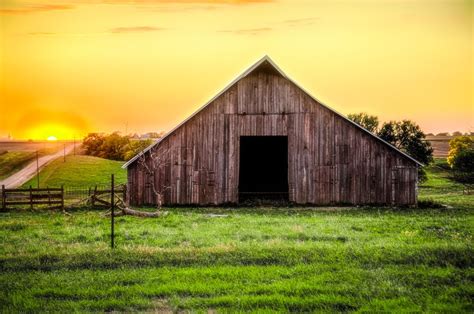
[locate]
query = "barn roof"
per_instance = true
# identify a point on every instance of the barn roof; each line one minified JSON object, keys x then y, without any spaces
{"x":265,"y":63}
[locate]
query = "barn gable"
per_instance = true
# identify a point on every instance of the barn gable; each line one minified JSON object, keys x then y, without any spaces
{"x":264,"y":135}
{"x":264,"y":65}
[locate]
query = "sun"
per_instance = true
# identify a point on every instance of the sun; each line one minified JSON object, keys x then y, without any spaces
{"x":52,"y":138}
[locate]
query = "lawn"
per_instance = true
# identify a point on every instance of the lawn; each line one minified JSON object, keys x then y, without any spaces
{"x":260,"y":259}
{"x":80,"y":171}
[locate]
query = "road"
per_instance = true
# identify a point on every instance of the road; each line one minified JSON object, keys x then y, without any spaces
{"x":20,"y":177}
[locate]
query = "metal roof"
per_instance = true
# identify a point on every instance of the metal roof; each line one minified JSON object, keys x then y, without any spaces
{"x":238,"y":78}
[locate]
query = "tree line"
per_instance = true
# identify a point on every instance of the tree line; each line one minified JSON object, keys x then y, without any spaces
{"x":113,"y":146}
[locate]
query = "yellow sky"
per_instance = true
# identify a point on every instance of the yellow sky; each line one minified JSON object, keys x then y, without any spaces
{"x":73,"y":66}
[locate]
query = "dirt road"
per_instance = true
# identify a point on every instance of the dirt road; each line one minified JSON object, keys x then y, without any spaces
{"x":20,"y":177}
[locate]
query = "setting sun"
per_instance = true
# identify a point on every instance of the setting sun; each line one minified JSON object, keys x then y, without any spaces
{"x":52,"y":138}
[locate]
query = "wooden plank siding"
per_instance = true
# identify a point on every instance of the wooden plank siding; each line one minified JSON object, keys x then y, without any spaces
{"x":330,"y":161}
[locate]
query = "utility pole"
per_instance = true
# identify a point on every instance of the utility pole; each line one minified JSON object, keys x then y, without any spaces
{"x":64,"y":151}
{"x":37,"y":171}
{"x":74,"y":146}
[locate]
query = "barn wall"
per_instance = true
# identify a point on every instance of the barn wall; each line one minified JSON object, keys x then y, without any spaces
{"x":330,"y":160}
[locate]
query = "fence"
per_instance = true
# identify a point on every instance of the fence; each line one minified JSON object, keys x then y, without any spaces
{"x":52,"y":197}
{"x":93,"y":196}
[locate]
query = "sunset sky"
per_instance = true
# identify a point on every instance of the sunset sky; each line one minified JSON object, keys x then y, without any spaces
{"x":68,"y":67}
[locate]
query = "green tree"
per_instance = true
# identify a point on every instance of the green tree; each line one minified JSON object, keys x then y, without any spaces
{"x":409,"y":138}
{"x":136,"y":146}
{"x":461,"y":160}
{"x":370,"y":123}
{"x":92,"y":143}
{"x":457,"y":145}
{"x":113,"y":146}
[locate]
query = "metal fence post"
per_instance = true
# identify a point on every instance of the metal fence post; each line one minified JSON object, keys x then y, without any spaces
{"x":112,"y":205}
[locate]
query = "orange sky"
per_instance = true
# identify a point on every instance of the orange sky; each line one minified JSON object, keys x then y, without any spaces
{"x":73,"y":66}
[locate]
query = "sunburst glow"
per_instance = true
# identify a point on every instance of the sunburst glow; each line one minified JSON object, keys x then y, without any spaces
{"x":52,"y":138}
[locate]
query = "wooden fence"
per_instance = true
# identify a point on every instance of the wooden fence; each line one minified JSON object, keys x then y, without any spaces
{"x":52,"y":197}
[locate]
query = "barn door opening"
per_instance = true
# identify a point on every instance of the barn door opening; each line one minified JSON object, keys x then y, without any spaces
{"x":263,"y":168}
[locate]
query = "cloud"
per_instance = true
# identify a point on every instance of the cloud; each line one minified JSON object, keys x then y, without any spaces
{"x":248,"y":31}
{"x":135,"y":29}
{"x":301,"y":21}
{"x":36,"y":8}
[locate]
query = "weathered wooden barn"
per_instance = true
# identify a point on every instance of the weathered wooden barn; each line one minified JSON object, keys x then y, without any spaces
{"x":265,"y":137}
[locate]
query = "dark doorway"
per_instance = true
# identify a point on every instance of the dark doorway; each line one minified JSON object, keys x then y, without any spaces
{"x":263,"y":168}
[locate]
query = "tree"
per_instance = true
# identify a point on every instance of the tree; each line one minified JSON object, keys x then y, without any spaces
{"x":461,"y":160}
{"x":457,"y":133}
{"x":113,"y":146}
{"x":457,"y":145}
{"x":136,"y":146}
{"x":370,"y":123}
{"x":92,"y":143}
{"x":409,"y":138}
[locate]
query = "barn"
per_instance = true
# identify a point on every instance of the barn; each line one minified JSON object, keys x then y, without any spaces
{"x":265,"y":137}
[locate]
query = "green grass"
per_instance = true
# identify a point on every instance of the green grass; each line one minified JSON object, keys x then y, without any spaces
{"x":440,"y":188}
{"x":80,"y":171}
{"x":10,"y":162}
{"x":13,"y":161}
{"x":252,"y":259}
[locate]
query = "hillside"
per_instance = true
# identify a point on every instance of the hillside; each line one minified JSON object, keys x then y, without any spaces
{"x":80,"y":171}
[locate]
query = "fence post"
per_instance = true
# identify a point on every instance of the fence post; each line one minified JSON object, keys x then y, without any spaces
{"x":4,"y":198}
{"x":49,"y":197}
{"x":112,"y":207}
{"x":62,"y":197}
{"x":31,"y":198}
{"x":125,"y":194}
{"x":94,"y":196}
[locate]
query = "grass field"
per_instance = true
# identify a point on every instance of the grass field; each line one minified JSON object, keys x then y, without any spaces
{"x":80,"y":171}
{"x":13,"y":161}
{"x":261,"y":259}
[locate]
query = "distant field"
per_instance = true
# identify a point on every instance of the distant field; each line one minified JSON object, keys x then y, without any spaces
{"x":293,"y":259}
{"x":80,"y":171}
{"x":15,"y":146}
{"x":440,"y":145}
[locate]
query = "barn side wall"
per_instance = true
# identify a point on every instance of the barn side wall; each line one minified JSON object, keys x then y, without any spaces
{"x":330,"y":161}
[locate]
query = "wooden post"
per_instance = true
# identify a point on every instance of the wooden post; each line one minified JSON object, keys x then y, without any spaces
{"x":49,"y":197}
{"x":112,"y":206}
{"x":124,"y":196}
{"x":62,"y":197}
{"x":64,"y":152}
{"x":4,"y":198}
{"x":31,"y":198}
{"x":94,"y":196}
